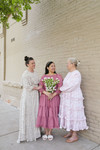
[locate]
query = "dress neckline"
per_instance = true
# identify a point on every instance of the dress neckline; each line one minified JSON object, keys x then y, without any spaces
{"x":30,"y":71}
{"x":50,"y":75}
{"x":73,"y":71}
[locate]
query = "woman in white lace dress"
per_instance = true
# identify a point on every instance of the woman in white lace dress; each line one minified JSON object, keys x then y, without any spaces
{"x":29,"y":104}
{"x":72,"y":117}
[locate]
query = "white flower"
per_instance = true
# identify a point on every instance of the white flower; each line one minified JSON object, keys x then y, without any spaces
{"x":50,"y":84}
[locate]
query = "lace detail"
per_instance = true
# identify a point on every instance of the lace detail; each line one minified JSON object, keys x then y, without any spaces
{"x":29,"y":108}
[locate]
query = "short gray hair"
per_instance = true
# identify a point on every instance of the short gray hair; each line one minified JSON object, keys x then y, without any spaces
{"x":74,"y":61}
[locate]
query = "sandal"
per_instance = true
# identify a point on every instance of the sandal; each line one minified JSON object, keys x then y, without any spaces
{"x":44,"y":137}
{"x":71,"y":140}
{"x":50,"y":137}
{"x":68,"y":135}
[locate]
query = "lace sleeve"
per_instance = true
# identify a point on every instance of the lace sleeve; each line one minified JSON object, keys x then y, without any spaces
{"x":26,"y":83}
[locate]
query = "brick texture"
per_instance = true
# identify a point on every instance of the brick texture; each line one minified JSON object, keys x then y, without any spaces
{"x":56,"y":30}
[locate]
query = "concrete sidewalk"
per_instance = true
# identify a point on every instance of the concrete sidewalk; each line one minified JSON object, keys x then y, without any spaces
{"x":9,"y":133}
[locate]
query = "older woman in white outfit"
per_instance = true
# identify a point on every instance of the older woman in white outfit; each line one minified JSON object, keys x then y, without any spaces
{"x":72,"y":117}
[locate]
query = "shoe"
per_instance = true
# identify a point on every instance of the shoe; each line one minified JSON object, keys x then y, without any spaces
{"x":44,"y":137}
{"x":18,"y":141}
{"x":50,"y":137}
{"x":71,"y":140}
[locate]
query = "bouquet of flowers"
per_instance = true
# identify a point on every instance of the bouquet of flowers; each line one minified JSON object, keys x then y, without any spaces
{"x":50,"y":84}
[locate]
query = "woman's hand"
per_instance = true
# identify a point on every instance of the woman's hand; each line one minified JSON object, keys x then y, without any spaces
{"x":37,"y":88}
{"x":53,"y":95}
{"x":48,"y":94}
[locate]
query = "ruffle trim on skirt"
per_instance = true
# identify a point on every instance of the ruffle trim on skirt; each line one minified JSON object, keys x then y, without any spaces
{"x":75,"y":125}
{"x":48,"y":117}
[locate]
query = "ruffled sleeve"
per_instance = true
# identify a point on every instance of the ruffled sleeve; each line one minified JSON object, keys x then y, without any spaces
{"x":41,"y":83}
{"x":59,"y":84}
{"x":73,"y":82}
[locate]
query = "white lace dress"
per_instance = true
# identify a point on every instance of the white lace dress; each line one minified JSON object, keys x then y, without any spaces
{"x":29,"y":108}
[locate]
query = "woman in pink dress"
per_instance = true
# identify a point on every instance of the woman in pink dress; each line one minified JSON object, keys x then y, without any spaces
{"x":72,"y":117}
{"x":49,"y":102}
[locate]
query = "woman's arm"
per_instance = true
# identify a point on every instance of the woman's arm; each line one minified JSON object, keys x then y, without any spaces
{"x":57,"y":92}
{"x":59,"y":85}
{"x":37,"y":88}
{"x":70,"y":86}
{"x":42,"y":89}
{"x":26,"y":83}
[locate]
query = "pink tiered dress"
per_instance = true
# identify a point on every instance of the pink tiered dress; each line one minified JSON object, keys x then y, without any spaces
{"x":49,"y":109}
{"x":71,"y":112}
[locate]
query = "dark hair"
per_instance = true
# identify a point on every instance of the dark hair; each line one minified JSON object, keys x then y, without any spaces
{"x":27,"y":59}
{"x":47,"y":65}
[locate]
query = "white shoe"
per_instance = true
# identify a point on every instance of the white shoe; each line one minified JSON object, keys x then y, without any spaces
{"x":50,"y":137}
{"x":44,"y":137}
{"x":18,"y":141}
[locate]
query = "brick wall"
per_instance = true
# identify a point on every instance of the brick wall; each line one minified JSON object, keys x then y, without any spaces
{"x":56,"y":30}
{"x":1,"y":63}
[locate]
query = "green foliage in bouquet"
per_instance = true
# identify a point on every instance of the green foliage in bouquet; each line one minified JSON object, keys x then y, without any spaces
{"x":50,"y":84}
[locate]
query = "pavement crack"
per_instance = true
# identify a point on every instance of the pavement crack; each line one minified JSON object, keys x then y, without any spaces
{"x":95,"y":147}
{"x":8,"y":133}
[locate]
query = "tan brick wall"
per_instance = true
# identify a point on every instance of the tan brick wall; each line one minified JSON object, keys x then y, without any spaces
{"x":56,"y":30}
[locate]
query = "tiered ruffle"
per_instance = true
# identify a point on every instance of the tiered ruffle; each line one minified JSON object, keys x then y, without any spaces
{"x":48,"y":113}
{"x":71,"y":113}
